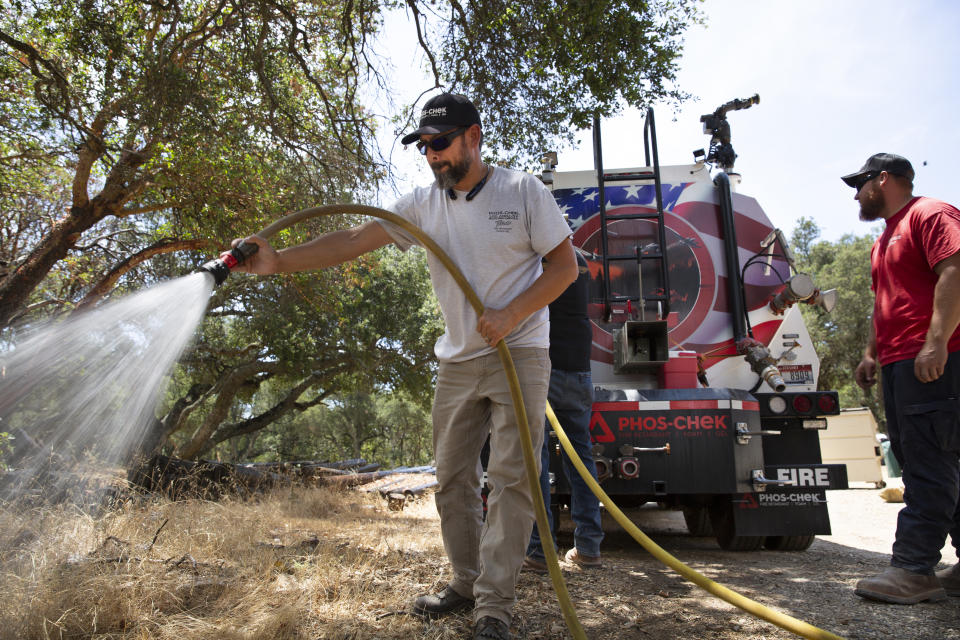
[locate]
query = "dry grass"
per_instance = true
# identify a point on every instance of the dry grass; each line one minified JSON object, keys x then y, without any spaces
{"x":315,"y":563}
{"x":299,"y":563}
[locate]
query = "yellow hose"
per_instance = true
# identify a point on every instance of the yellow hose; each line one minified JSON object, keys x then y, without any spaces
{"x":750,"y":606}
{"x":533,"y":478}
{"x":560,"y":588}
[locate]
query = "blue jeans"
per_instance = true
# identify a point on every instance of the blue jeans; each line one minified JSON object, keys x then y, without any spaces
{"x":571,"y":397}
{"x":923,"y":422}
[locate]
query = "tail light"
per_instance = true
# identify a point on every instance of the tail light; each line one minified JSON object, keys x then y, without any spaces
{"x":802,"y":404}
{"x":826,"y":404}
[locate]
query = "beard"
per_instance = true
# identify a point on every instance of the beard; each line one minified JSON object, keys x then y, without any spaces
{"x":872,"y":205}
{"x":455,"y":172}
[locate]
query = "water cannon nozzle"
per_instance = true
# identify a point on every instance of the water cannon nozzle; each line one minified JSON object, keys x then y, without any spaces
{"x":220,"y":267}
{"x":798,"y":288}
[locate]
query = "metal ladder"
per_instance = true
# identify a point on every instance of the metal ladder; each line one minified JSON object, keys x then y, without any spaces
{"x":659,"y":256}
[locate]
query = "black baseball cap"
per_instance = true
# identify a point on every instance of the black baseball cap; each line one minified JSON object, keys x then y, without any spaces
{"x":442,"y":113}
{"x":889,"y":162}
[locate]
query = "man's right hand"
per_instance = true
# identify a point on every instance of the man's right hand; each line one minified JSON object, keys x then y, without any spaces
{"x":264,"y":262}
{"x":866,"y":373}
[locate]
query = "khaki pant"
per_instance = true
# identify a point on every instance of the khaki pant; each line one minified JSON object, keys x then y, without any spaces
{"x":472,"y":400}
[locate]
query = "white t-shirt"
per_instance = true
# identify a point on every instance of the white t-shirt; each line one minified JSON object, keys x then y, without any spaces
{"x":497,"y":240}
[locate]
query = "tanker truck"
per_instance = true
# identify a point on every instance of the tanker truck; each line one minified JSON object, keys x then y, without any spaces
{"x":706,"y":396}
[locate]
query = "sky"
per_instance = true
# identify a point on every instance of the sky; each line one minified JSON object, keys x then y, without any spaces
{"x":838,"y":81}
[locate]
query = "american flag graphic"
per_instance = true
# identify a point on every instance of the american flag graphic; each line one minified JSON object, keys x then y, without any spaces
{"x":699,"y":318}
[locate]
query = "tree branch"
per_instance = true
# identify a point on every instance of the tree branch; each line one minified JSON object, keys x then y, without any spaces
{"x":160,"y":247}
{"x":287,"y":404}
{"x":423,"y":45}
{"x":225,"y":390}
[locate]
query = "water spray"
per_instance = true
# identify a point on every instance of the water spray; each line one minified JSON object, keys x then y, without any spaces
{"x":221,"y":267}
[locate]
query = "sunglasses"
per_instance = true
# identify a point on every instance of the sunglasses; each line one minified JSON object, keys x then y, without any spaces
{"x":440,"y":142}
{"x":867,"y":177}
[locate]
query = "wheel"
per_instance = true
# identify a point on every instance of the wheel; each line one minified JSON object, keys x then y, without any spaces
{"x":721,"y":519}
{"x":730,"y":542}
{"x":880,"y":485}
{"x":789,"y":543}
{"x":698,"y":520}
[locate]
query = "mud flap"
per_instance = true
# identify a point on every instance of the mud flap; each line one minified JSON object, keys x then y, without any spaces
{"x":781,"y":513}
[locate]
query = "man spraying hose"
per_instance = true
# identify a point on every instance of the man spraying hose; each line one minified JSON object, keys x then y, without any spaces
{"x":497,"y":225}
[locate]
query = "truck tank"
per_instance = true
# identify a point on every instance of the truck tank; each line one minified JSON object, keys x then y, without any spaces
{"x":705,"y":377}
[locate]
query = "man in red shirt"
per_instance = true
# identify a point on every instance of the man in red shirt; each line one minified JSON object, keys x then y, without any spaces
{"x":915,"y":266}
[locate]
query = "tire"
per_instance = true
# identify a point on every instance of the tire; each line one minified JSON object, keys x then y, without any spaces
{"x":698,"y":521}
{"x":729,"y":542}
{"x":721,"y":518}
{"x":789,"y":543}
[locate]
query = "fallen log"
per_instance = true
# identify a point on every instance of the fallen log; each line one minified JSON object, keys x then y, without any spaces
{"x":350,"y":479}
{"x":182,"y":478}
{"x":355,"y":479}
{"x":416,"y":491}
{"x":339,"y":465}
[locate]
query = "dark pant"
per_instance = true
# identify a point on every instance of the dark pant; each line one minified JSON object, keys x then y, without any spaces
{"x":923,"y":422}
{"x":571,"y":398}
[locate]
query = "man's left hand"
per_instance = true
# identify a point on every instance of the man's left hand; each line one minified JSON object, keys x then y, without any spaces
{"x":495,"y":325}
{"x":930,"y":362}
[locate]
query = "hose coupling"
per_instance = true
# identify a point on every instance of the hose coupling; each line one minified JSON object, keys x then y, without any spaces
{"x":762,"y":363}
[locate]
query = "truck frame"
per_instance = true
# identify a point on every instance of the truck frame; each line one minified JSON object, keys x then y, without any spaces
{"x":705,"y":379}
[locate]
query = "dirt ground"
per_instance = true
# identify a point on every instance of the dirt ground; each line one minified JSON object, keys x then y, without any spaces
{"x":633,"y":596}
{"x":308,"y":563}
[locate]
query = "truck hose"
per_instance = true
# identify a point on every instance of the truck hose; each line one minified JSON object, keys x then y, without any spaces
{"x":533,"y":478}
{"x":560,"y":588}
{"x":752,"y":607}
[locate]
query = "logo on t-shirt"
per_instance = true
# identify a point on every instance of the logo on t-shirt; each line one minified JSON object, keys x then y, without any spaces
{"x":503,"y":220}
{"x":894,"y":239}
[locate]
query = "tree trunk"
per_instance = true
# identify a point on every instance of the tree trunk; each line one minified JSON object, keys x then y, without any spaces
{"x":252,"y":425}
{"x":16,"y":288}
{"x":160,"y":430}
{"x":325,"y":371}
{"x":122,"y":183}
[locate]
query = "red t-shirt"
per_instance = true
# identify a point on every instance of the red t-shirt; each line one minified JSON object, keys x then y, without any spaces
{"x":917,"y":237}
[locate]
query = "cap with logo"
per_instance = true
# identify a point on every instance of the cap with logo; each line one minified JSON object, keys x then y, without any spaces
{"x":443,"y":113}
{"x":889,"y":162}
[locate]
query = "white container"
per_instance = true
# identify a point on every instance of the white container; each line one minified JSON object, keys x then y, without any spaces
{"x":851,"y":439}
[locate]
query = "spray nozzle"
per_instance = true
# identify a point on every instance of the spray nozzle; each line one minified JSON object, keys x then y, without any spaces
{"x":220,"y":267}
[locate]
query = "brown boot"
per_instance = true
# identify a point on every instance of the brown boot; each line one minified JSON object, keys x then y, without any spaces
{"x":950,"y":580}
{"x":900,"y":586}
{"x":590,"y":562}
